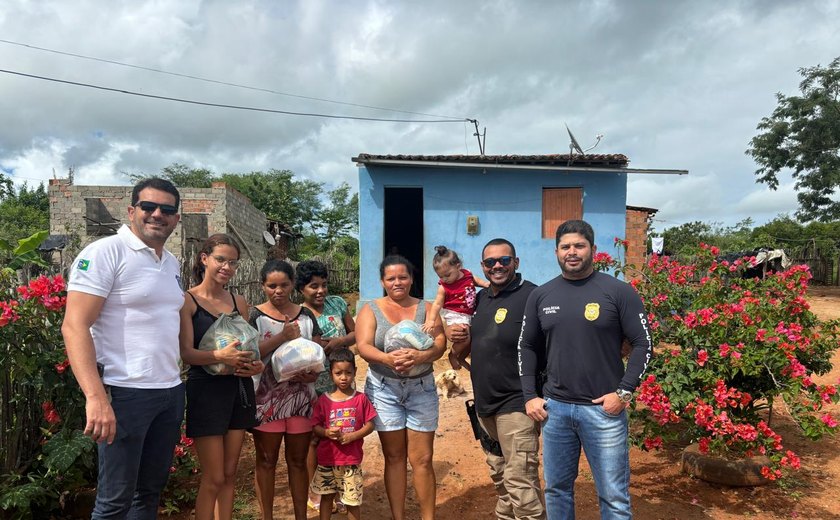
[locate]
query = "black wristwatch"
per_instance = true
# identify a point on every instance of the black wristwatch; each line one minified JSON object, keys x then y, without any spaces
{"x":625,"y":395}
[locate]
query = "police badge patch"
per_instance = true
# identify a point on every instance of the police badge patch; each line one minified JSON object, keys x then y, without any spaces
{"x":592,"y":311}
{"x":500,"y":315}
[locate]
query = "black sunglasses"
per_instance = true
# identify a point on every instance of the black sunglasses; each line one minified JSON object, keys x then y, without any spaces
{"x":504,"y":260}
{"x":150,"y":207}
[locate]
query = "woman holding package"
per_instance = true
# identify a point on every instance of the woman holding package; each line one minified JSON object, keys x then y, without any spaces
{"x":219,"y":407}
{"x":284,"y":408}
{"x":407,"y":406}
{"x":338,"y":330}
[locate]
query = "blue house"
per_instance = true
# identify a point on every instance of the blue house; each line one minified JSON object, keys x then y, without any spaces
{"x":408,"y":204}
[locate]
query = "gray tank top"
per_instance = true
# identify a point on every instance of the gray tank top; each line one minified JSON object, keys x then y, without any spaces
{"x":382,"y":326}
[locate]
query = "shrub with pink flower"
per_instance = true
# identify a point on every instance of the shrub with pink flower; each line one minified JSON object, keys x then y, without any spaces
{"x":730,"y":352}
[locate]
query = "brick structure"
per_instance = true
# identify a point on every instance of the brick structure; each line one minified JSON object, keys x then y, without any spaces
{"x":638,"y":221}
{"x":89,"y":212}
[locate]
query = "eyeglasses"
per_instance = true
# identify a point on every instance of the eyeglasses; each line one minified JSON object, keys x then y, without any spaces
{"x":150,"y":207}
{"x":233,"y":264}
{"x":504,"y":260}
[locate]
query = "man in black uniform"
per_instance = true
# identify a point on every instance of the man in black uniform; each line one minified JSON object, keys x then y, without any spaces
{"x":577,"y":322}
{"x":498,"y":392}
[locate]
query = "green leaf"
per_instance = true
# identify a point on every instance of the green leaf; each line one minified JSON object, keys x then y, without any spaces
{"x":63,"y":451}
{"x":30,"y":243}
{"x":22,"y":497}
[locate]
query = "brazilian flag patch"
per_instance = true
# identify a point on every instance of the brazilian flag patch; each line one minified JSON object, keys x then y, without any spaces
{"x":83,"y":264}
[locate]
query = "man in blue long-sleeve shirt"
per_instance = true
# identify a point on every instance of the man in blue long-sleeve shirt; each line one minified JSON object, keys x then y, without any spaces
{"x":577,"y":323}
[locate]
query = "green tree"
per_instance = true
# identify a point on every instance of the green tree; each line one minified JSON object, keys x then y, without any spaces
{"x":181,"y":175}
{"x":803,"y":134}
{"x":340,"y":218}
{"x":281,"y":196}
{"x":23,"y":212}
{"x":684,"y":239}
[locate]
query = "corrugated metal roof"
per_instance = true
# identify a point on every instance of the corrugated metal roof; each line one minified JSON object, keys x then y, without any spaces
{"x":601,"y":160}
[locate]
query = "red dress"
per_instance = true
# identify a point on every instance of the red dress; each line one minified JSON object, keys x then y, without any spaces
{"x":459,"y":296}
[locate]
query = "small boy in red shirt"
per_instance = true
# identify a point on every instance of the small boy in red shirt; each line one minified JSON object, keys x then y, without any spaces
{"x":342,"y":418}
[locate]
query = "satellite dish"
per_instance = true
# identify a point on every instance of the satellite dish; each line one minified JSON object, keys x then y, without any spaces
{"x":268,"y":238}
{"x":573,"y":146}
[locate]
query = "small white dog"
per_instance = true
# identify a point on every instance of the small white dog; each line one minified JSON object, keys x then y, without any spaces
{"x":449,"y":384}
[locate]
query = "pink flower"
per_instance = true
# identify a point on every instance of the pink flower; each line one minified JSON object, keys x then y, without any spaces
{"x":702,"y":357}
{"x":828,"y":420}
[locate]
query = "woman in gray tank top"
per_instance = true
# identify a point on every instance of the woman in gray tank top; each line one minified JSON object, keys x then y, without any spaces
{"x":406,"y":406}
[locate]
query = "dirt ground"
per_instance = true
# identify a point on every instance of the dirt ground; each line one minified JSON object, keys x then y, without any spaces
{"x":659,"y":490}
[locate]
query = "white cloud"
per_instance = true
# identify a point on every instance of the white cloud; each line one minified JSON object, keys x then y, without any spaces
{"x":670,"y":84}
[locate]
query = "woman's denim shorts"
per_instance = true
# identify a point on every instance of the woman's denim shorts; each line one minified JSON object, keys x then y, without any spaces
{"x":403,"y":403}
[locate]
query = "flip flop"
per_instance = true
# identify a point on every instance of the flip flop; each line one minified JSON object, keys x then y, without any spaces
{"x":312,"y":505}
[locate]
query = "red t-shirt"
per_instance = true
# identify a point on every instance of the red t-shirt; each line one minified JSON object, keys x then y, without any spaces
{"x":350,"y":415}
{"x":459,"y":296}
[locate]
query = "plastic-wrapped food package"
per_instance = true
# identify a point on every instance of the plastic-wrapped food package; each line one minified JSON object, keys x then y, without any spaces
{"x":408,"y":334}
{"x":295,"y":357}
{"x":224,"y":331}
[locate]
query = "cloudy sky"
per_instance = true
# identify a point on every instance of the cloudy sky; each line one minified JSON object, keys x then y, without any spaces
{"x":670,"y":84}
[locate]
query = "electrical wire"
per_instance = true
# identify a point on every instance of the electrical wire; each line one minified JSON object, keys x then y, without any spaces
{"x":224,"y":105}
{"x":219,"y":82}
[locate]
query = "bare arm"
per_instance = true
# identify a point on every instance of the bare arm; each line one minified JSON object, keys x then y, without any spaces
{"x":481,"y":282}
{"x":81,"y":312}
{"x":365,"y":333}
{"x":361,"y":433}
{"x":407,"y":358}
{"x":437,"y":305}
{"x":229,"y":355}
{"x":291,"y":330}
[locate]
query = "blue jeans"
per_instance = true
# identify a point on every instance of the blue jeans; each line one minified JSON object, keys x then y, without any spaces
{"x":134,"y":468}
{"x":604,"y":440}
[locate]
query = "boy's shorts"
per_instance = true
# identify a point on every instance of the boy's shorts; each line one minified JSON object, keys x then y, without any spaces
{"x":346,"y":481}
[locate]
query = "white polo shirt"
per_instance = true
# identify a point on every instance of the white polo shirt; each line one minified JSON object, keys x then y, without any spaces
{"x":136,"y":334}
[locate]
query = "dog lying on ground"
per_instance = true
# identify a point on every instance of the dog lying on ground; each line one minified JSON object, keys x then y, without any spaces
{"x":449,"y":384}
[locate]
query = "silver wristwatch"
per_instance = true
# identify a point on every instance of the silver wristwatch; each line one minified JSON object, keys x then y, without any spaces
{"x":624,"y":395}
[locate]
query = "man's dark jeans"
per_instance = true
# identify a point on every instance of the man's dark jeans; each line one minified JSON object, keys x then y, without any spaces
{"x":133,"y":469}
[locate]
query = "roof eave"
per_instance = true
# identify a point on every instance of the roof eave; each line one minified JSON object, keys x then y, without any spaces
{"x":498,"y":166}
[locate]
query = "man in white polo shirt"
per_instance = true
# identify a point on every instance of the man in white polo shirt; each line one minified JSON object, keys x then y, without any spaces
{"x":123,"y":300}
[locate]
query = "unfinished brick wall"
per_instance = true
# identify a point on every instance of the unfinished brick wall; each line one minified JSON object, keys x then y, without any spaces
{"x":204,"y":211}
{"x":241,"y":215}
{"x":637,"y":228}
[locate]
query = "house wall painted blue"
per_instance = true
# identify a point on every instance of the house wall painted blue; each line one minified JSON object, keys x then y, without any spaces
{"x":507,"y":202}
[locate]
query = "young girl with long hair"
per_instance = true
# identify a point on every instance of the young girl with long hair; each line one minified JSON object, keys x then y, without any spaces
{"x":219,"y":407}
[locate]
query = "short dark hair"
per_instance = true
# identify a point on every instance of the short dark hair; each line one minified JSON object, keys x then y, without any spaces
{"x":499,"y":242}
{"x":307,"y":270}
{"x":395,"y":260}
{"x":580,"y":227}
{"x":219,"y":239}
{"x":342,"y":355}
{"x":273,"y":266}
{"x":158,"y":184}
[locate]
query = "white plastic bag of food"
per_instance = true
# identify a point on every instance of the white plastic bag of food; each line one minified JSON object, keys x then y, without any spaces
{"x":224,"y":331}
{"x":407,"y":334}
{"x":295,"y":357}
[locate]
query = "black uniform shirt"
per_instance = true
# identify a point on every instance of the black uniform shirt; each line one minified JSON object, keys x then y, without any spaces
{"x":495,"y":333}
{"x":576,"y":327}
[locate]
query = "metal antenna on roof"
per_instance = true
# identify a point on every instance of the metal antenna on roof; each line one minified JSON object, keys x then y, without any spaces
{"x":482,"y":137}
{"x":597,"y":140}
{"x":573,"y":145}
